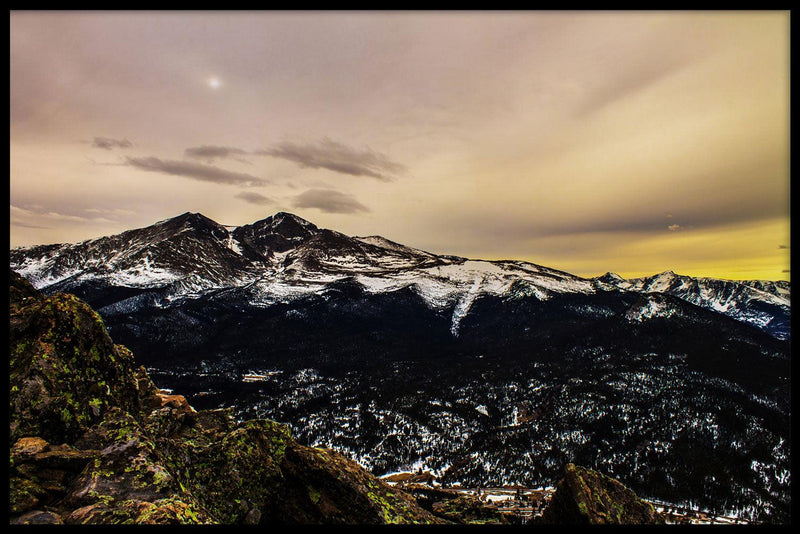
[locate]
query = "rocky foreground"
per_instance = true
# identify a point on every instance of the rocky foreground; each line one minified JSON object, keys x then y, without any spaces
{"x":93,"y":440}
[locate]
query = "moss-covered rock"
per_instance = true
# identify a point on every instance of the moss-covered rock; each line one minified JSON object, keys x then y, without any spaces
{"x":248,"y":456}
{"x":329,"y":488}
{"x":65,"y":371}
{"x":38,"y":517}
{"x":24,"y":494}
{"x":40,"y":472}
{"x":135,"y":512}
{"x":26,"y":448}
{"x":584,"y":496}
{"x":19,"y":289}
{"x":126,"y":467}
{"x":270,"y":478}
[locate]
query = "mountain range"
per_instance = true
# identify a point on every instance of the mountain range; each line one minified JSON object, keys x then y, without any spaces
{"x":483,"y":372}
{"x":284,"y":257}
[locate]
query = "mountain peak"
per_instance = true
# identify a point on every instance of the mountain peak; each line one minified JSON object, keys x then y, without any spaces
{"x":286,"y":224}
{"x":185,"y":217}
{"x":284,"y":214}
{"x":283,"y":217}
{"x":193,"y":219}
{"x":278,"y":233}
{"x":195,"y":223}
{"x":666,"y":276}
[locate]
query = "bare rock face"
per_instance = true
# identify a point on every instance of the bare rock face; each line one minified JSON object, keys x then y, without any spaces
{"x":586,"y":497}
{"x":94,"y":441}
{"x":19,"y":289}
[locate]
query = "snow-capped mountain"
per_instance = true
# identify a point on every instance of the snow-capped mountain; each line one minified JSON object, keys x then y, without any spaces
{"x":764,"y":304}
{"x":284,"y":257}
{"x":174,"y":251}
{"x":280,"y":258}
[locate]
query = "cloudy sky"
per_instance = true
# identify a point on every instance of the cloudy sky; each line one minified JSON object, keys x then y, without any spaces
{"x":584,"y":141}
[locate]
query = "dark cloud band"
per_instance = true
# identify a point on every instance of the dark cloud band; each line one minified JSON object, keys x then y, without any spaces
{"x":329,"y":201}
{"x":195,"y":171}
{"x":328,"y":154}
{"x":496,"y":224}
{"x":210,"y":152}
{"x":108,"y":143}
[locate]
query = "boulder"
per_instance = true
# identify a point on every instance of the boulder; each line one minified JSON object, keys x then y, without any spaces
{"x":270,"y":478}
{"x":65,"y":370}
{"x":584,"y":496}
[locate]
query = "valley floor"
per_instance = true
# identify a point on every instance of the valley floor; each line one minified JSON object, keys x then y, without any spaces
{"x":521,"y":505}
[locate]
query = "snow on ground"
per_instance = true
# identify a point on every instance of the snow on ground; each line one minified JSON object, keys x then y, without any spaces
{"x":382,"y":242}
{"x":463,"y":305}
{"x":442,"y":285}
{"x":32,"y":269}
{"x":662,"y":282}
{"x":651,"y":310}
{"x":142,"y":276}
{"x":234,"y":245}
{"x":265,"y":292}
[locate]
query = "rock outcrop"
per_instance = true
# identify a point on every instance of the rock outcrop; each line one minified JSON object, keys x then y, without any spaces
{"x":584,"y":496}
{"x":93,"y":440}
{"x":64,"y":369}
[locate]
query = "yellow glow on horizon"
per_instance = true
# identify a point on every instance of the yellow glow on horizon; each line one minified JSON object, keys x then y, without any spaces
{"x":750,"y":251}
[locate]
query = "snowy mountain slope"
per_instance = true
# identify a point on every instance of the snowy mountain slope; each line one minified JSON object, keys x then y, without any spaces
{"x":284,"y":257}
{"x":189,"y":246}
{"x":764,"y":304}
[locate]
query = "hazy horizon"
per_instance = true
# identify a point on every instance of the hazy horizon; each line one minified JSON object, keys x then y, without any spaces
{"x":630,"y":142}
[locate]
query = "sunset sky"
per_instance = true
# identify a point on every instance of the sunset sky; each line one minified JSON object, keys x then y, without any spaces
{"x":632,"y":142}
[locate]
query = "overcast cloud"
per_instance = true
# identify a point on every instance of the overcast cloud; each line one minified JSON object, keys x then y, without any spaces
{"x":329,"y":201}
{"x":564,"y":138}
{"x":108,"y":143}
{"x":328,"y":154}
{"x":195,"y":171}
{"x":210,"y":153}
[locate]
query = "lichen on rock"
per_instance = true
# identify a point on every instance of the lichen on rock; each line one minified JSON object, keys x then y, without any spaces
{"x":65,"y":370}
{"x":585,"y":496}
